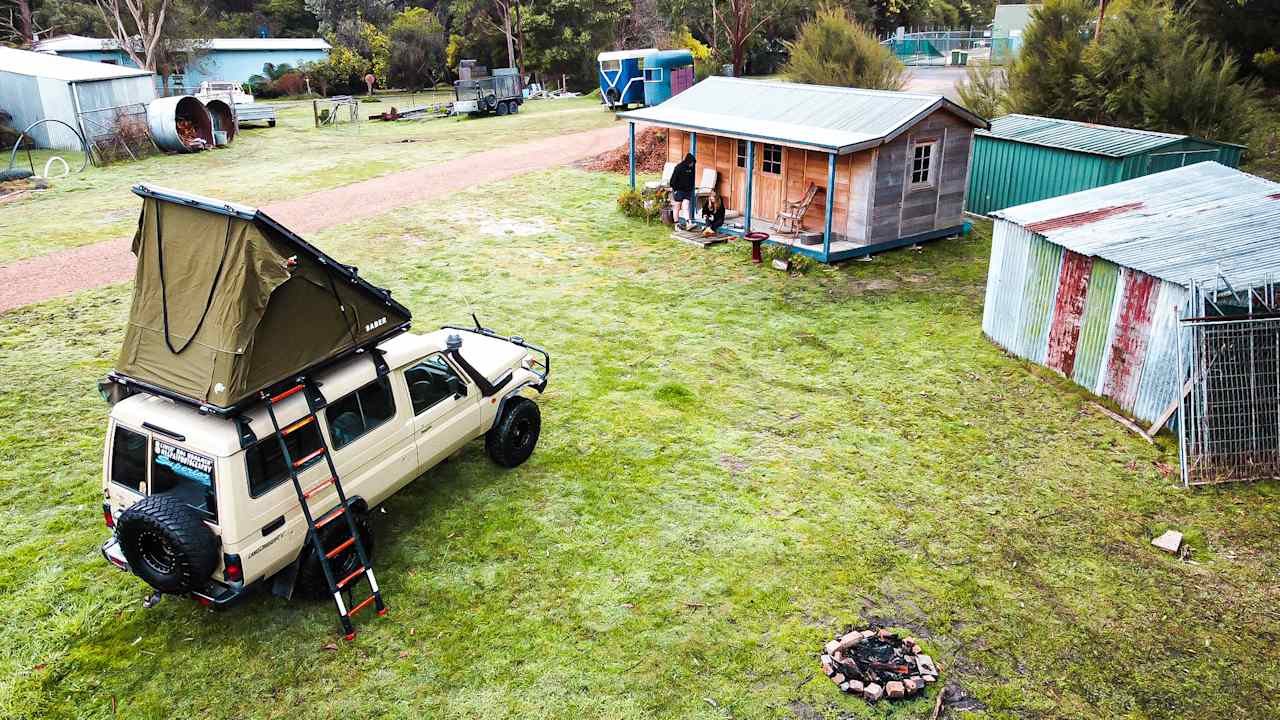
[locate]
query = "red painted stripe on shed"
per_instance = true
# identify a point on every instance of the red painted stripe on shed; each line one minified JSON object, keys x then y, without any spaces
{"x":1132,"y":333}
{"x":1082,"y":218}
{"x":1068,"y":310}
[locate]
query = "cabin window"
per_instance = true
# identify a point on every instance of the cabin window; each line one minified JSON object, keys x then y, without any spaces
{"x":653,"y":74}
{"x":352,"y":416}
{"x":742,"y":153}
{"x":922,"y":155}
{"x":771,"y":162}
{"x":610,"y":65}
{"x":265,"y":462}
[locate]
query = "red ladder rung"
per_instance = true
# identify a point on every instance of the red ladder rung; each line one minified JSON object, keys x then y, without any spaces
{"x":317,"y":488}
{"x":303,"y":461}
{"x":356,"y":573}
{"x":277,"y":398}
{"x":332,"y":553}
{"x":300,"y":424}
{"x":363,"y":604}
{"x":326,"y":520}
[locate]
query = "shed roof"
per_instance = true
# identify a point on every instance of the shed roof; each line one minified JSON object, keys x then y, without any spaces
{"x":1182,"y":225}
{"x":1083,"y":137}
{"x":80,"y":43}
{"x":833,"y":119}
{"x":625,"y":54}
{"x":35,"y":64}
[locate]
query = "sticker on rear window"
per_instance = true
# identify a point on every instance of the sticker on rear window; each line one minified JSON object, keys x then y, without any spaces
{"x":185,"y":463}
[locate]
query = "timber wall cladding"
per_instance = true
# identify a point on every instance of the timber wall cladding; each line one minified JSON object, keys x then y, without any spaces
{"x":897,"y":211}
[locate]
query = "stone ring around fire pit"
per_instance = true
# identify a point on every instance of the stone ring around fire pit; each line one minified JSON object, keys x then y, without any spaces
{"x":874,"y":664}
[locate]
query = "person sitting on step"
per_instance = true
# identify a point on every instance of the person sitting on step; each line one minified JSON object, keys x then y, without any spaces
{"x":712,"y":215}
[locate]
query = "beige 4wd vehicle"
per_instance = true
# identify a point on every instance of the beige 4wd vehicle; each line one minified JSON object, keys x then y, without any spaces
{"x":215,"y":481}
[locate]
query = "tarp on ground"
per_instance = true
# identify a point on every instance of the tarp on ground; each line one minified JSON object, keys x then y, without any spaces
{"x":227,"y":302}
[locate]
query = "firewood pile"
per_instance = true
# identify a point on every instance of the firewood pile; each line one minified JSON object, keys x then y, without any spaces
{"x":651,"y":154}
{"x":189,"y":135}
{"x":876,"y":664}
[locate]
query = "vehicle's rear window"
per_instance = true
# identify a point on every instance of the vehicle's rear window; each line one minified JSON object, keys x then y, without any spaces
{"x":265,"y":463}
{"x":128,"y":458}
{"x":183,"y":474}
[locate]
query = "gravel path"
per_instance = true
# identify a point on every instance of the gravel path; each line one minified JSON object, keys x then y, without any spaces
{"x":33,"y":280}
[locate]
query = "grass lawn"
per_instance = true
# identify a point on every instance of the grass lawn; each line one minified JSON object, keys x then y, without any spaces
{"x":291,"y":159}
{"x":735,"y":465}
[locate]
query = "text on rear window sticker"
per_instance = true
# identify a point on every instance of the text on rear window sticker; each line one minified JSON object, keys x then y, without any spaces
{"x":184,"y":462}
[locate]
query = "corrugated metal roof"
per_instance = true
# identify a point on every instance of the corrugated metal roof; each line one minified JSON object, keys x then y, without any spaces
{"x":812,"y":116}
{"x":1082,"y":137}
{"x":1180,"y":225}
{"x":24,"y":62}
{"x":80,"y":43}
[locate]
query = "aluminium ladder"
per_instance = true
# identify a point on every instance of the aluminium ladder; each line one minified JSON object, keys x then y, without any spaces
{"x":337,"y":586}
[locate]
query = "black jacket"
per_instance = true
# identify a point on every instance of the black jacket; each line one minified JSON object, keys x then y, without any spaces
{"x":682,"y":177}
{"x":715,"y":219}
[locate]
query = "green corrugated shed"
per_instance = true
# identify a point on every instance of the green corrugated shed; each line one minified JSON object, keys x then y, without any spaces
{"x":1024,"y":158}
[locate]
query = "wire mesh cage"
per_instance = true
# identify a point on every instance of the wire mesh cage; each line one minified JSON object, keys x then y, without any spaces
{"x":1230,"y":409}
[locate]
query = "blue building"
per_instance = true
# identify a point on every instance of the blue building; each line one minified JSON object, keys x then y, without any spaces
{"x":667,"y":73}
{"x":233,"y":59}
{"x":621,"y":81}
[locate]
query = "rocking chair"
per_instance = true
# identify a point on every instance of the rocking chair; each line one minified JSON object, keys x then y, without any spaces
{"x":791,"y":217}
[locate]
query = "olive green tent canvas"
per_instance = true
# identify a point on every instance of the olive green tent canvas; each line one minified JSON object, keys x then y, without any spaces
{"x":227,"y":302}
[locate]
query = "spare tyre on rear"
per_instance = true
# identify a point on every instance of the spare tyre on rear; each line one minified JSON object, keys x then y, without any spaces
{"x":167,"y":544}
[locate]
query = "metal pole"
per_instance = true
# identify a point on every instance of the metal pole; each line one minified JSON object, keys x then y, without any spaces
{"x":751,"y":171}
{"x":831,"y":191}
{"x":631,"y":153}
{"x":693,"y":145}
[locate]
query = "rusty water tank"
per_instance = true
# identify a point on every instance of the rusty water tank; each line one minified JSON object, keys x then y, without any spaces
{"x":166,"y":115}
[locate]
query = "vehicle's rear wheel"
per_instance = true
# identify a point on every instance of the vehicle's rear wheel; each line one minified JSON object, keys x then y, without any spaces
{"x":512,"y":439}
{"x":502,"y":108}
{"x":311,"y":582}
{"x":271,"y":123}
{"x":515,"y":107}
{"x":167,"y":544}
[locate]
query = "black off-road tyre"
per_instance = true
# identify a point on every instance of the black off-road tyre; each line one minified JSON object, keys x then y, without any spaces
{"x":311,"y":582}
{"x":511,"y":440}
{"x":167,"y":544}
{"x":271,"y":123}
{"x":502,"y":108}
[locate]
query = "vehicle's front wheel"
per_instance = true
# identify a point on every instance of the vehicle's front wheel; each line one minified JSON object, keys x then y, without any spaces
{"x":502,"y":108}
{"x":511,"y":440}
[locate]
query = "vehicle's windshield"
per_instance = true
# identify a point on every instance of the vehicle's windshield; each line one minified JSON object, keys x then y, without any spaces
{"x":183,"y":474}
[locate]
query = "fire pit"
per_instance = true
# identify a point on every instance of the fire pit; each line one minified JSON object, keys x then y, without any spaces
{"x":875,"y":664}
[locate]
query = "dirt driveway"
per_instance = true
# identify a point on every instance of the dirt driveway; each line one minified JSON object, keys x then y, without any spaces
{"x":33,"y":280}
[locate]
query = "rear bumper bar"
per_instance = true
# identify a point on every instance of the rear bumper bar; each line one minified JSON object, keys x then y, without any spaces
{"x":215,"y":593}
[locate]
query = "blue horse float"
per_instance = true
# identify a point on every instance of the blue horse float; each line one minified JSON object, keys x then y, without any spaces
{"x":622,"y":77}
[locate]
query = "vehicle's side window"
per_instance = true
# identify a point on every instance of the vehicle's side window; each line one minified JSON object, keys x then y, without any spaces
{"x":265,"y":463}
{"x":611,"y":65}
{"x":653,"y":74}
{"x":431,"y":381}
{"x":128,"y":458}
{"x":361,"y":411}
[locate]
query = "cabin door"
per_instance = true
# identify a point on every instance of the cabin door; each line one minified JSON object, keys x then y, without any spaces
{"x":736,"y":191}
{"x":766,"y":190}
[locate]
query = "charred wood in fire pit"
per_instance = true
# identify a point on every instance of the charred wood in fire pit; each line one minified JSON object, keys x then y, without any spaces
{"x":875,"y":664}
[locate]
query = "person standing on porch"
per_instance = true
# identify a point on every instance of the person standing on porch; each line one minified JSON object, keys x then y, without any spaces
{"x":682,"y":189}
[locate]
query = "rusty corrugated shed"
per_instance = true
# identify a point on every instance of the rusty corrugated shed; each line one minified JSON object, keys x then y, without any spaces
{"x":1092,"y":284}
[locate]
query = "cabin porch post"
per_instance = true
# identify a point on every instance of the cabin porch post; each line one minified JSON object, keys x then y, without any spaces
{"x":751,"y":171}
{"x":631,"y":153}
{"x":831,"y":191}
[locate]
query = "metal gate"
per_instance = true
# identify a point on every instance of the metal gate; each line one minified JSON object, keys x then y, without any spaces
{"x":1229,"y":419}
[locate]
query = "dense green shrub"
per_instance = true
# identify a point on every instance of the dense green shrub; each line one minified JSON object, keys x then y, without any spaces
{"x":1041,"y":80}
{"x":985,"y":90}
{"x":834,"y":49}
{"x":640,"y":206}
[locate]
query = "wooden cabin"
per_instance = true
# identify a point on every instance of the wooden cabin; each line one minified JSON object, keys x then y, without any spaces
{"x":896,"y":164}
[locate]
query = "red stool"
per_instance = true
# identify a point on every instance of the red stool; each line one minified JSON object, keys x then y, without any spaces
{"x":756,"y":238}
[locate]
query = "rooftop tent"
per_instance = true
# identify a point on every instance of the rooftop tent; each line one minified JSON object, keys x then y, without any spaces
{"x":226,"y":302}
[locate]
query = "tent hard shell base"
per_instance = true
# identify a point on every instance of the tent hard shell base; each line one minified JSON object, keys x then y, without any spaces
{"x":227,"y":303}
